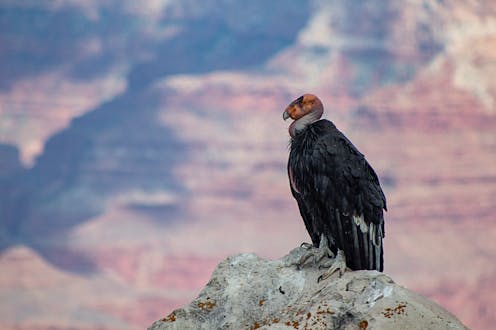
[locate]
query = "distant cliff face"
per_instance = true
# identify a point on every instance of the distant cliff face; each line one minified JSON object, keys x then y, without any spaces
{"x":145,"y":132}
{"x":121,"y":145}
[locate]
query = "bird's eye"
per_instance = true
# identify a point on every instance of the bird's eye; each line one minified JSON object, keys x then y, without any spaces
{"x":299,"y":100}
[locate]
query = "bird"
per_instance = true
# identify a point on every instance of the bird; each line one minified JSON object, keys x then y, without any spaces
{"x":337,"y":191}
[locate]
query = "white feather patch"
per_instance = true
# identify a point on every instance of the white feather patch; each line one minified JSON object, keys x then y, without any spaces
{"x":360,"y":222}
{"x":373,"y":229}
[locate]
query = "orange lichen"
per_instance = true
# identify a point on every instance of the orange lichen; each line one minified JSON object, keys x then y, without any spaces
{"x":207,"y":305}
{"x":255,"y":326}
{"x":320,"y":310}
{"x":309,"y":315}
{"x":261,"y":302}
{"x":170,"y":318}
{"x":398,"y":310}
{"x":294,"y":324}
{"x":363,"y":324}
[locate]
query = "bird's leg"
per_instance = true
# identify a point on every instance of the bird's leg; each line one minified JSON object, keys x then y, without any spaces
{"x":324,"y":250}
{"x":337,"y":264}
{"x":318,"y":254}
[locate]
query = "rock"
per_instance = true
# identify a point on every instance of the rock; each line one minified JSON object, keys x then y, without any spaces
{"x":248,"y":292}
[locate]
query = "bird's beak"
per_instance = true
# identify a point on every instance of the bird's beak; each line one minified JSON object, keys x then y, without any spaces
{"x":285,"y":115}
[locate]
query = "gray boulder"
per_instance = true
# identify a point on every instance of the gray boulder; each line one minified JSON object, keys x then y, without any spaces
{"x":248,"y":292}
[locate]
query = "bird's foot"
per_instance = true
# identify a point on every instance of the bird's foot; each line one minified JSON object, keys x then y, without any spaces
{"x":338,"y":264}
{"x":306,"y":245}
{"x":315,"y":255}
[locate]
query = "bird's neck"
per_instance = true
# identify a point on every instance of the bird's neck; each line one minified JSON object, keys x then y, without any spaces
{"x":300,"y":124}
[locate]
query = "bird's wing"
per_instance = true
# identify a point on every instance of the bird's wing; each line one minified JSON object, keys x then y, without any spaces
{"x":346,"y":186}
{"x":305,"y":207}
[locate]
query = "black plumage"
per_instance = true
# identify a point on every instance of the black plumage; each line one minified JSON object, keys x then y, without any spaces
{"x":338,"y":193}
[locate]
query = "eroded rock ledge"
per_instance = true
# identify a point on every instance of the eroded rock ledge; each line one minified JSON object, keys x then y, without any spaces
{"x":248,"y":292}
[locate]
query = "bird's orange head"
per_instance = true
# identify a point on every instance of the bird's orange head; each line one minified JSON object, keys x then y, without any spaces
{"x":305,"y":104}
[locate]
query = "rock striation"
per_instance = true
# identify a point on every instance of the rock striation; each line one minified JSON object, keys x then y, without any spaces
{"x":248,"y":292}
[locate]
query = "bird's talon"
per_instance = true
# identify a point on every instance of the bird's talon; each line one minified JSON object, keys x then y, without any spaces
{"x":338,"y":265}
{"x":306,"y":245}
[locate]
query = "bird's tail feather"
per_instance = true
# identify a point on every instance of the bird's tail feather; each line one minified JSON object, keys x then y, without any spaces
{"x":362,"y":244}
{"x":375,"y":239}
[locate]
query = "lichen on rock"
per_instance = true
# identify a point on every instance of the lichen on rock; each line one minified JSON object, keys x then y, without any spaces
{"x":248,"y":292}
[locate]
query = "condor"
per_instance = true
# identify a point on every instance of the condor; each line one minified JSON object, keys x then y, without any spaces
{"x":337,"y":191}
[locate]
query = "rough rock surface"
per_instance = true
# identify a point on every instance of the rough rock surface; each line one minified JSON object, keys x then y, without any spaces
{"x":248,"y":292}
